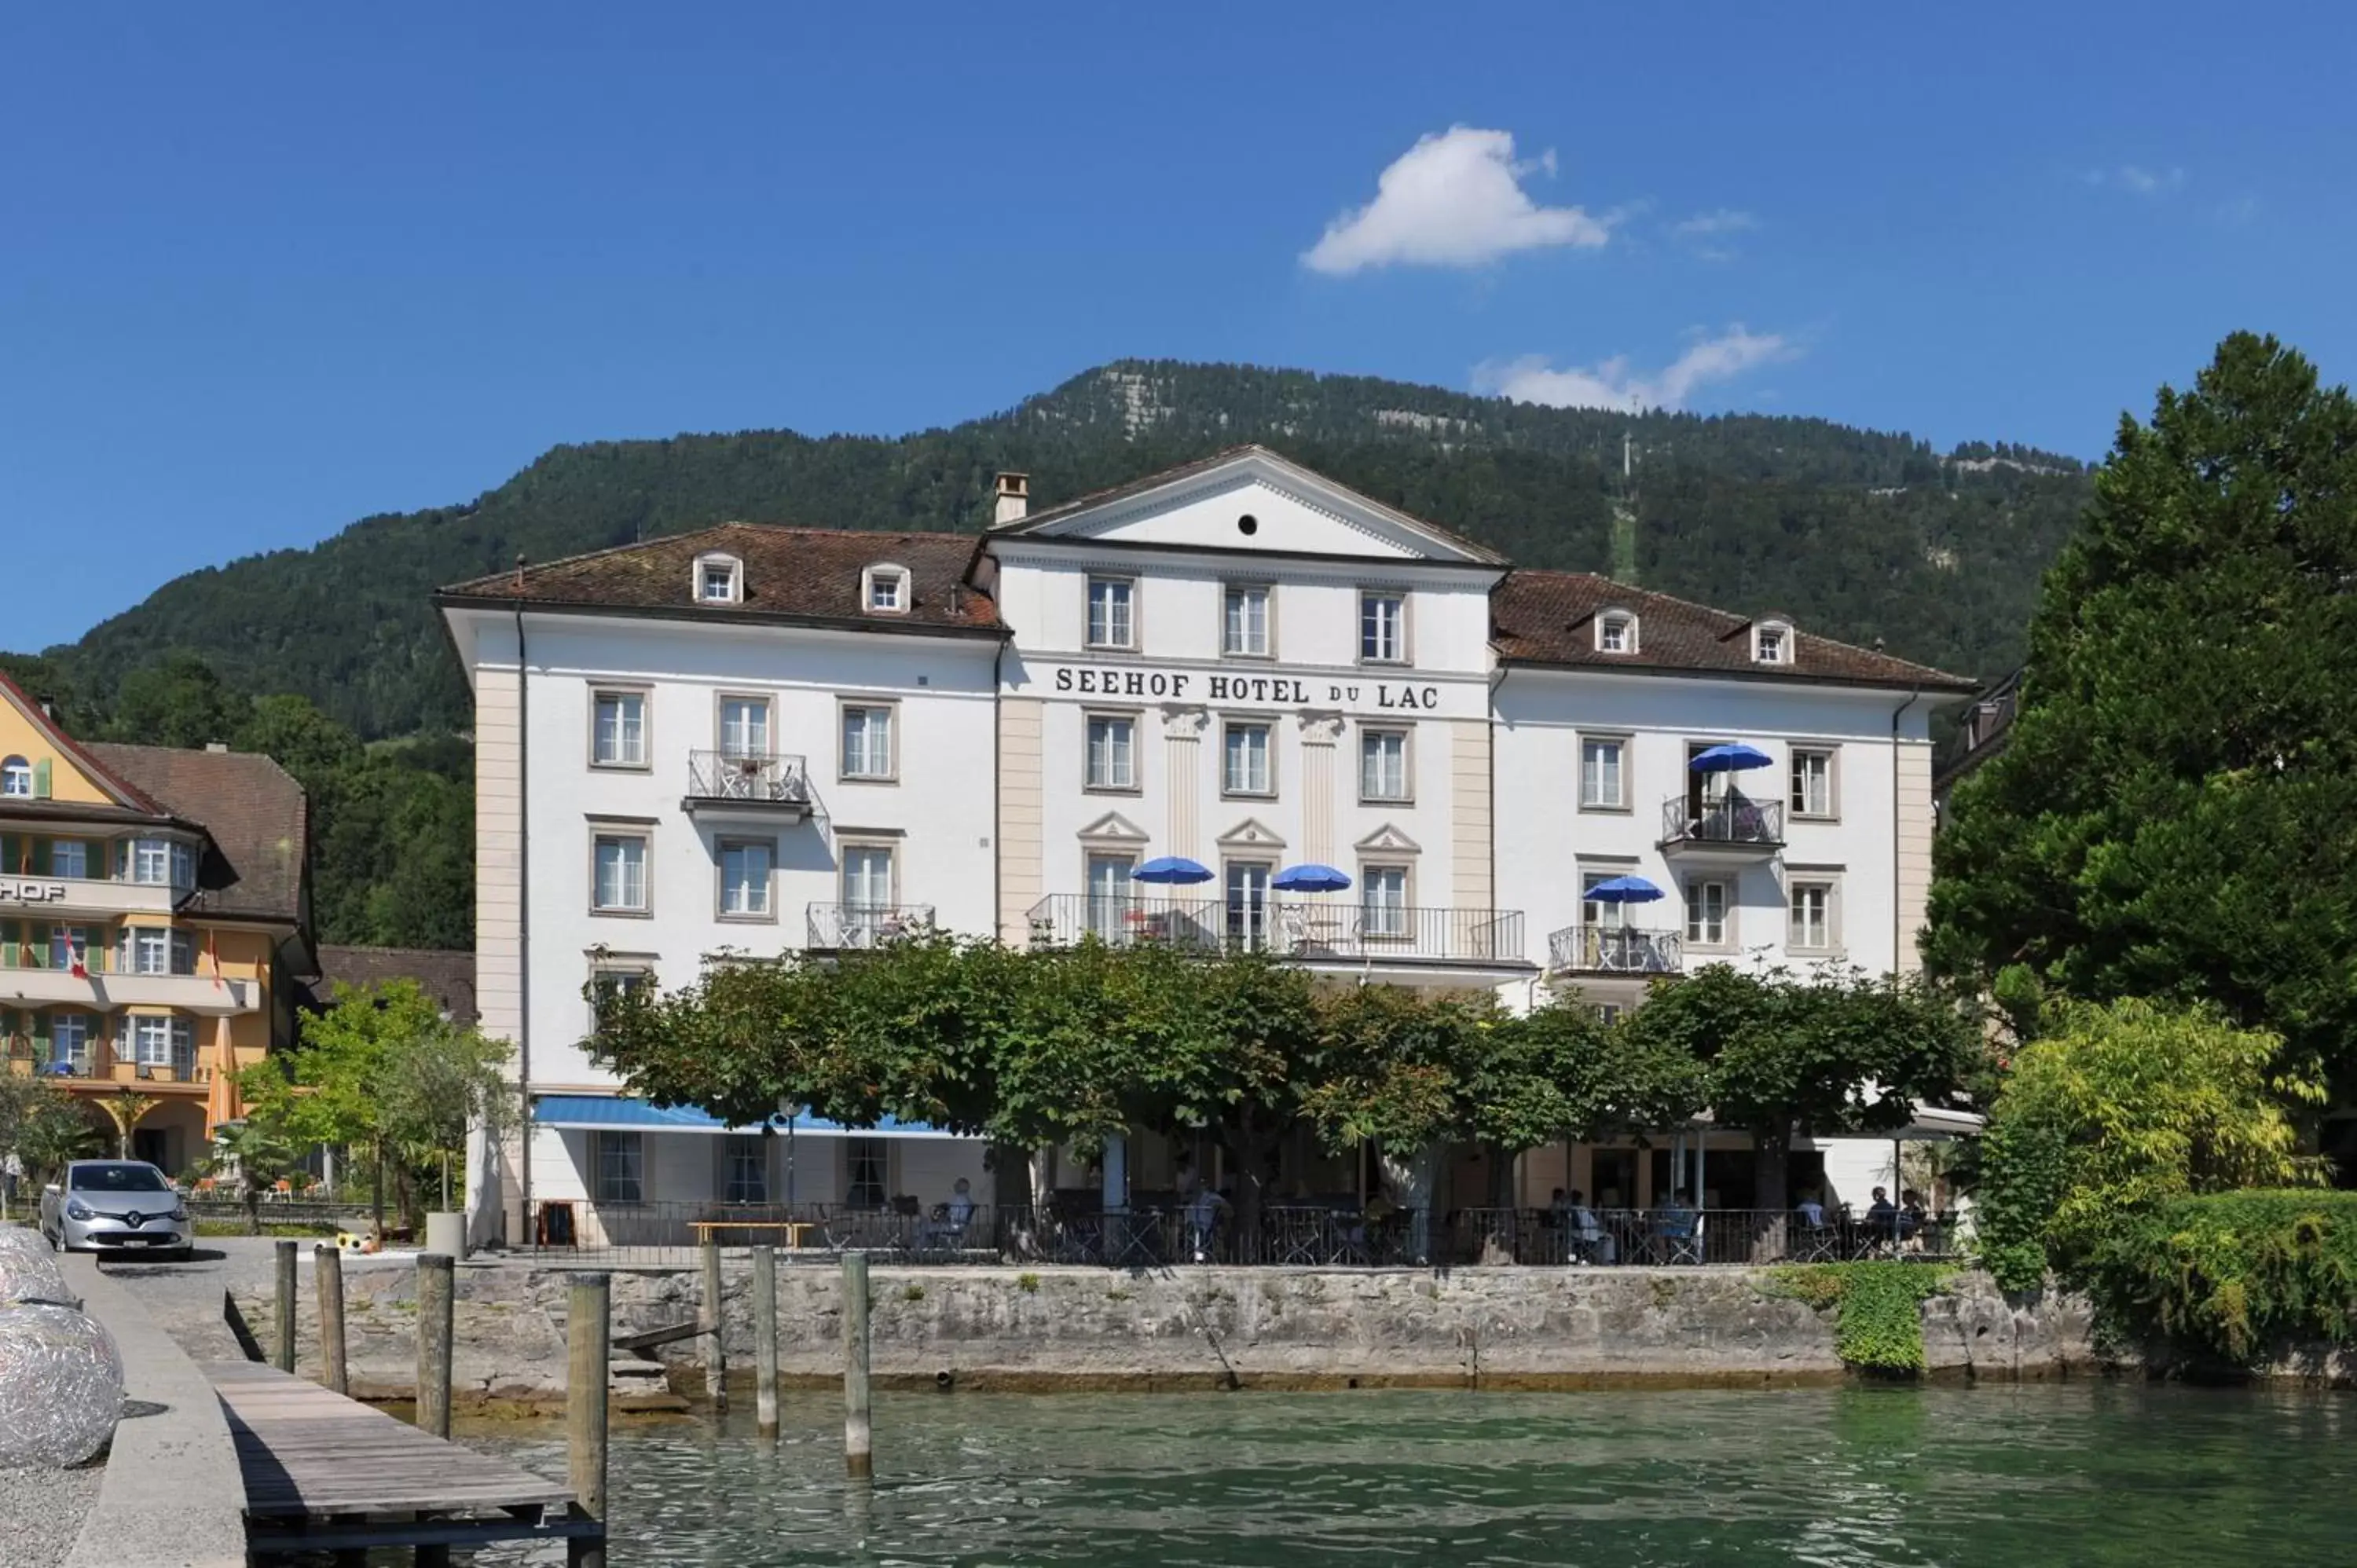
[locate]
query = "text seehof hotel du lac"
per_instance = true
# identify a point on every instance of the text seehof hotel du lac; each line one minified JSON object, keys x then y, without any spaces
{"x":1086,"y":681}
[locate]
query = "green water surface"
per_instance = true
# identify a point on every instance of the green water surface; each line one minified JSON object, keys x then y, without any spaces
{"x":2006,"y":1477}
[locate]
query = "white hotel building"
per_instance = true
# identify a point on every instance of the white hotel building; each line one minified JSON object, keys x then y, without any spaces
{"x":755,"y":739}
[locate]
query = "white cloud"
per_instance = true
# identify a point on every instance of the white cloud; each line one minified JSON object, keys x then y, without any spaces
{"x":2136,"y":180}
{"x":1454,"y":199}
{"x":1614,"y":383}
{"x":1726,"y":220}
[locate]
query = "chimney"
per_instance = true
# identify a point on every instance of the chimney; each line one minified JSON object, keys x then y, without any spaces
{"x":519,"y":576}
{"x":218,"y":747}
{"x":1014,"y":499}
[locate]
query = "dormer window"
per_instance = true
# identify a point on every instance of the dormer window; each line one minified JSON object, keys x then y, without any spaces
{"x":719,"y":580}
{"x":1616,"y":632}
{"x":1771,"y":643}
{"x":884,"y":590}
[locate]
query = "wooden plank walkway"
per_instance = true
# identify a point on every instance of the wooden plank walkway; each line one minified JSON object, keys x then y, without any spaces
{"x":326,"y":1473}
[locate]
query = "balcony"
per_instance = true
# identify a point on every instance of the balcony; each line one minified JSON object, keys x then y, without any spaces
{"x":96,"y":1065}
{"x":44,"y":897}
{"x":1733,"y":826}
{"x":1317,"y":933}
{"x":1613,"y":949}
{"x":27,"y":984}
{"x":726,"y":786}
{"x":836,"y":928}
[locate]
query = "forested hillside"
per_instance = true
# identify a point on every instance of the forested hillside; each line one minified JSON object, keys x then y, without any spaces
{"x":1855,"y":534}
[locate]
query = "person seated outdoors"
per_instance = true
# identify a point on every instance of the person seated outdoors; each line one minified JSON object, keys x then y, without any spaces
{"x":1583,"y":1235}
{"x":1203,"y":1221}
{"x":1673,"y":1228}
{"x":1811,"y":1209}
{"x":1912,"y":1216}
{"x":1882,"y":1216}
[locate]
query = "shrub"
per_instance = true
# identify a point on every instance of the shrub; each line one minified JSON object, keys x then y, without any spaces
{"x":1879,"y":1322}
{"x":2228,"y":1274}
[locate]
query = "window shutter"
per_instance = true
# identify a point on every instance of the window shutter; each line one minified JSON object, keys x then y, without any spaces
{"x":41,"y":780}
{"x":42,"y":858}
{"x":9,"y":851}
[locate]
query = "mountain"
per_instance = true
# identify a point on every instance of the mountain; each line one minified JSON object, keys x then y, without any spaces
{"x":1859,"y":535}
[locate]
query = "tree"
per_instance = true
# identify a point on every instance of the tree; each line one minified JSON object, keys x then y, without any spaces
{"x":179,"y":701}
{"x":2174,"y":813}
{"x":257,"y":1151}
{"x":1825,"y":1055}
{"x":41,"y":1126}
{"x":2118,"y":1108}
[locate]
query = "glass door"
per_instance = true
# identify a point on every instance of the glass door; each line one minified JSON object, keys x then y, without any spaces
{"x":1112,"y":902}
{"x":866,"y":893}
{"x":1248,"y":906}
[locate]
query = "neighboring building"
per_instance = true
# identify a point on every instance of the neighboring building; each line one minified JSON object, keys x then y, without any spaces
{"x":1985,"y":729}
{"x":154,"y":924}
{"x":757,"y":739}
{"x":447,"y":975}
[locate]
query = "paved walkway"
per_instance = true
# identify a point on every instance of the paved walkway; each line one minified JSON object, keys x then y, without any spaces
{"x":184,"y":1300}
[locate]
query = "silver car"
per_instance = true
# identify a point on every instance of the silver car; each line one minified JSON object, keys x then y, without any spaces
{"x":115,"y":1205}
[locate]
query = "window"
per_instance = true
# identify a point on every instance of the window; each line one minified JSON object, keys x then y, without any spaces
{"x":867,"y":876}
{"x":70,"y":1040}
{"x":1594,"y":915}
{"x":1247,"y":770}
{"x":888,"y":590}
{"x":1244,"y":631}
{"x":1383,"y":629}
{"x":719,"y":579}
{"x":618,"y":730}
{"x":16,"y":778}
{"x":1248,"y":909}
{"x":1112,"y":752}
{"x":155,"y":1042}
{"x":68,"y":857}
{"x":1112,"y":612}
{"x":621,"y":874}
{"x":1383,"y":900}
{"x":748,"y":1168}
{"x":1616,"y":632}
{"x":1707,"y":914}
{"x":745,"y":728}
{"x":867,"y":743}
{"x":1609,"y":1012}
{"x":866,"y":1163}
{"x":1811,"y":925}
{"x":160,"y":862}
{"x":157,"y":949}
{"x":1111,"y":895}
{"x":621,"y":1167}
{"x":1603,"y":774}
{"x":1771,"y":642}
{"x":606,"y":984}
{"x":745,"y":878}
{"x":1382,"y":764}
{"x":1812,"y":783}
{"x":68,"y":943}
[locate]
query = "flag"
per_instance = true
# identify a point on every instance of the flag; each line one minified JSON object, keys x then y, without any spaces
{"x":75,"y":959}
{"x":212,"y":961}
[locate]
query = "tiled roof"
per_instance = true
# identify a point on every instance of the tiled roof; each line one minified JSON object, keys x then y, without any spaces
{"x":447,"y":975}
{"x":252,"y":809}
{"x":802,"y":574}
{"x":1548,"y":618}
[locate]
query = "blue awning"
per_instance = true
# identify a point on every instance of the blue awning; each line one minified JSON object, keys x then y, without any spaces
{"x":617,"y":1113}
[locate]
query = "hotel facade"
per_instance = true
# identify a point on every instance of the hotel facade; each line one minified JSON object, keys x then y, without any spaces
{"x":755,"y":741}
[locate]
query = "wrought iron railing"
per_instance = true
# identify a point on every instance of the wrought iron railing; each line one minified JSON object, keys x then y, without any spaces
{"x":1614,"y":950}
{"x":1309,"y":930}
{"x":751,"y":778}
{"x":834,"y":927}
{"x":1731,"y":819}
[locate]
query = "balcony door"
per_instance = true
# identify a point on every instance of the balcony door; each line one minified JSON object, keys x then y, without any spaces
{"x":1111,"y":895}
{"x":1249,"y":913}
{"x":866,"y":893}
{"x":745,"y":728}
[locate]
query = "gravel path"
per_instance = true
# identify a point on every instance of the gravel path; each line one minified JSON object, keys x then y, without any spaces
{"x":184,"y":1300}
{"x":41,"y":1513}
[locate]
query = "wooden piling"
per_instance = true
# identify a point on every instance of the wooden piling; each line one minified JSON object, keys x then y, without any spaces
{"x":859,"y":1429}
{"x":765,"y":1340}
{"x":434,"y":1314}
{"x":327,"y":1276}
{"x":716,"y":1353}
{"x":283,"y":1351}
{"x":588,"y":1324}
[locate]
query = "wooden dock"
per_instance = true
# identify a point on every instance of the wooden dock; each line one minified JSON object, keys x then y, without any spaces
{"x":324,"y":1473}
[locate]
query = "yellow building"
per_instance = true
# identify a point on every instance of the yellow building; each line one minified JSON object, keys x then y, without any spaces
{"x":155,"y":923}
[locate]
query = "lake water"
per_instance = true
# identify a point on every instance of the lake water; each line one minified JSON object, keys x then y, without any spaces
{"x":2051,"y":1475}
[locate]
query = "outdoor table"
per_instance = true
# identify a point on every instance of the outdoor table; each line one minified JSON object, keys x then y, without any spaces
{"x":793,"y":1228}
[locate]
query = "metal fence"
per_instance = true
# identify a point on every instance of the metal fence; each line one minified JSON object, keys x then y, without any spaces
{"x":1731,"y":819}
{"x":1309,"y":930}
{"x":1614,"y":950}
{"x":835,"y":927}
{"x":735,"y":776}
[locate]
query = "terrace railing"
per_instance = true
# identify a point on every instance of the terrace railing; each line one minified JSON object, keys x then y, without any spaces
{"x":1613,"y":949}
{"x":753,"y":780}
{"x":1732,"y":821}
{"x":838,"y":926}
{"x":1330,"y":929}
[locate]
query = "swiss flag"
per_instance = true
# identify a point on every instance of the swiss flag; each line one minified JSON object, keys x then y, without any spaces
{"x":75,"y":962}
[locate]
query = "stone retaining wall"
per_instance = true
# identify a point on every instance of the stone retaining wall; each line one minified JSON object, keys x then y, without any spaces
{"x":1006,"y":1327}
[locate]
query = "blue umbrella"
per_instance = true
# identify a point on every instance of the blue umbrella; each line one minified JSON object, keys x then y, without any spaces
{"x":1309,"y":878}
{"x":1172,"y":868}
{"x":1731,"y":758}
{"x":1623,"y":890}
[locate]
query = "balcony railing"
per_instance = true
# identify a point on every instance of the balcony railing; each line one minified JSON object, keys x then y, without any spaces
{"x":1613,"y":949}
{"x":1731,"y":820}
{"x":746,"y":778}
{"x":835,"y":927}
{"x":1311,"y":931}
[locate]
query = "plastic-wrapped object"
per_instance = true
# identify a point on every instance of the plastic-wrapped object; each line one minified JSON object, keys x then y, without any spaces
{"x":33,"y":1276}
{"x":60,"y":1386}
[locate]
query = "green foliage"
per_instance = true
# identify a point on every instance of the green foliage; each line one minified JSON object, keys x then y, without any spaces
{"x":2233,"y":1275}
{"x":1880,"y":1305}
{"x":1027,"y":1283}
{"x":2119,"y":1108}
{"x":41,"y":1125}
{"x":257,"y":1151}
{"x":2174,"y":813}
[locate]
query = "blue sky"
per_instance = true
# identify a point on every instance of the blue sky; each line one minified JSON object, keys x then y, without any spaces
{"x":264,"y":271}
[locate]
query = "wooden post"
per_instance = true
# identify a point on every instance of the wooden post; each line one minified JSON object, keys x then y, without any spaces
{"x":586,"y":1324}
{"x":284,"y":1351}
{"x":434,"y":1312}
{"x":859,"y":1431}
{"x":765,"y":1340}
{"x":327,"y":1272}
{"x":715,"y":1353}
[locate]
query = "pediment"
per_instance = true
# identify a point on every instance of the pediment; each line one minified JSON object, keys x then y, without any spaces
{"x":1114,"y":829}
{"x":1251,"y":500}
{"x":1250,"y":833}
{"x":1388,"y":840}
